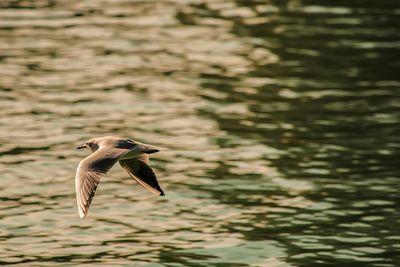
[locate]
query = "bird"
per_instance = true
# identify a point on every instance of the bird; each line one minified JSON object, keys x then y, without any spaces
{"x":106,"y":151}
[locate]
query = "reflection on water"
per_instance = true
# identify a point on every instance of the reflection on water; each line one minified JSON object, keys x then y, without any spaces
{"x":282,"y":121}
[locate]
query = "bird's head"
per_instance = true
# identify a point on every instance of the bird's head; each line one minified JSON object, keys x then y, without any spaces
{"x":93,"y":144}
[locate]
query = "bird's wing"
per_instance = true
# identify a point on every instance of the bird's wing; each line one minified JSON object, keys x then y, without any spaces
{"x":138,"y":169}
{"x":88,"y":175}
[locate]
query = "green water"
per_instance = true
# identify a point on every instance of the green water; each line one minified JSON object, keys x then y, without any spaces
{"x":282,"y":119}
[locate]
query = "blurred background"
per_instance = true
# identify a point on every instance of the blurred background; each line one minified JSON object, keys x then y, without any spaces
{"x":282,"y":119}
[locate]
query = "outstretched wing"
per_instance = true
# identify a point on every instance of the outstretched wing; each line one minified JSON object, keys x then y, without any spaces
{"x":88,"y":175}
{"x":138,"y":169}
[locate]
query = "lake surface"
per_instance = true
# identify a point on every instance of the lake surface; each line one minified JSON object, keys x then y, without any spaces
{"x":282,"y":119}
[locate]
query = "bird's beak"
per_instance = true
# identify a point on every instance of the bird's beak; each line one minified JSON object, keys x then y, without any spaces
{"x":80,"y":147}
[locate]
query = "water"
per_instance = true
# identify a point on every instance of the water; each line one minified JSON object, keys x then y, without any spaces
{"x":282,"y":119}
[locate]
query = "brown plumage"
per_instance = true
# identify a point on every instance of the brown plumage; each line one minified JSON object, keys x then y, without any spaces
{"x":107,"y":150}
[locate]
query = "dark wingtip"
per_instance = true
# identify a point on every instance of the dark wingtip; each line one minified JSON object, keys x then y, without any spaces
{"x":151,"y":151}
{"x":162,"y":194}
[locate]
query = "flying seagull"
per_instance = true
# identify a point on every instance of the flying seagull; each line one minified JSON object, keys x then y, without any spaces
{"x":107,"y":150}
